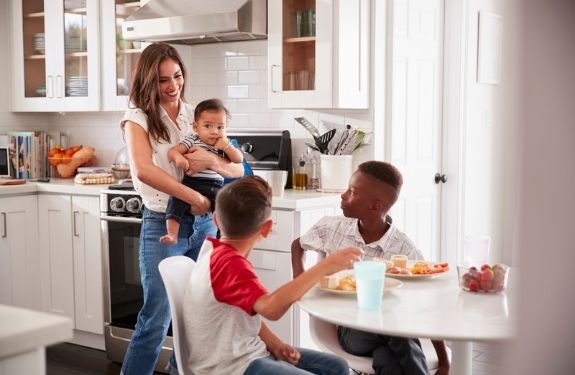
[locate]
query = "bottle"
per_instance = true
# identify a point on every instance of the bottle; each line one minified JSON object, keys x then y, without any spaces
{"x":300,"y":175}
{"x":313,"y":175}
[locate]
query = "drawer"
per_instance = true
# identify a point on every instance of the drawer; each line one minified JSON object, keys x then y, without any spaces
{"x":282,"y":233}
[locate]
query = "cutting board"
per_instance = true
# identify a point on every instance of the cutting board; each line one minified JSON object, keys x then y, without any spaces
{"x":11,"y":181}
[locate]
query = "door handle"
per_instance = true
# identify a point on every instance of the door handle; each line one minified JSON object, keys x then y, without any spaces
{"x":74,"y":224}
{"x":440,"y":178}
{"x":4,"y":233}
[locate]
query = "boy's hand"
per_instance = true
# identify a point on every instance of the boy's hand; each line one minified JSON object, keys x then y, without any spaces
{"x":286,"y":353}
{"x":343,"y":259}
{"x":222,"y":143}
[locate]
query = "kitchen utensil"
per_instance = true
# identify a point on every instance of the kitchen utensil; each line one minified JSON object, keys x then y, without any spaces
{"x":313,"y":147}
{"x":308,"y":126}
{"x":322,"y":141}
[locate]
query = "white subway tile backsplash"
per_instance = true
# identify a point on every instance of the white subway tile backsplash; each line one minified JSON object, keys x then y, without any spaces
{"x":256,"y":47}
{"x":259,"y":120}
{"x":215,"y":64}
{"x":237,"y":91}
{"x":248,"y":105}
{"x":231,"y":105}
{"x":239,"y":121}
{"x":237,"y":63}
{"x":248,"y":76}
{"x":214,"y":92}
{"x":231,"y":77}
{"x":259,"y":91}
{"x":258,"y":62}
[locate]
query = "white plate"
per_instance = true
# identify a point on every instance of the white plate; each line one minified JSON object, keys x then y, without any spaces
{"x":389,"y":284}
{"x":410,"y":264}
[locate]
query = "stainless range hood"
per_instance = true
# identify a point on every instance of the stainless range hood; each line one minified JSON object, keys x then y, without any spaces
{"x":197,"y":21}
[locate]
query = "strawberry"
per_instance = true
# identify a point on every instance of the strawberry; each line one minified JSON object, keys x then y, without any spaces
{"x":473,"y":285}
{"x":486,"y":285}
{"x":485,"y":266}
{"x":487,"y":274}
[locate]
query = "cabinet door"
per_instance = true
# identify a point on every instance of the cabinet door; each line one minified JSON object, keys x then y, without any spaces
{"x":57,"y":267}
{"x":86,"y":239}
{"x":274,"y":269}
{"x":56,"y":55}
{"x":118,"y":56}
{"x":19,"y":263}
{"x":318,"y":53}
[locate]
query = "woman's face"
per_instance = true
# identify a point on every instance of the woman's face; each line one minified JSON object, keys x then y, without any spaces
{"x":171,"y":82}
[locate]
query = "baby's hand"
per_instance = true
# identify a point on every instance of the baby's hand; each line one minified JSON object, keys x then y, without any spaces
{"x":222,"y":143}
{"x":182,"y":162}
{"x":343,"y":259}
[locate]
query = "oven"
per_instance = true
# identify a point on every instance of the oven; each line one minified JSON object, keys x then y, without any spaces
{"x":121,"y":216}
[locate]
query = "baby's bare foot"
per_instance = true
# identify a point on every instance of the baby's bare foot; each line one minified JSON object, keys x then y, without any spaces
{"x":170,"y":239}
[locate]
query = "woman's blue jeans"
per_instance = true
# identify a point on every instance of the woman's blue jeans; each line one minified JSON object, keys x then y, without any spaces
{"x":310,"y":362}
{"x":154,"y":317}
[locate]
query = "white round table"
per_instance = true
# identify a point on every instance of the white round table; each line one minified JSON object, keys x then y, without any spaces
{"x":433,"y":308}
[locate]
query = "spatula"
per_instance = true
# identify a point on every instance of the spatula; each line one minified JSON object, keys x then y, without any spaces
{"x":322,"y":141}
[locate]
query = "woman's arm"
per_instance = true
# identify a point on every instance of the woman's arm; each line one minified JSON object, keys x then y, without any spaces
{"x":143,"y":167}
{"x":201,"y":159}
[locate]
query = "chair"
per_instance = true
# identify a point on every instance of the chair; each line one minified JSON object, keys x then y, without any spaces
{"x":324,"y":334}
{"x":175,"y":272}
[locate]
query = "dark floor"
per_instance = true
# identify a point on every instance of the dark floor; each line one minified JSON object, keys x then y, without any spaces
{"x":68,"y":359}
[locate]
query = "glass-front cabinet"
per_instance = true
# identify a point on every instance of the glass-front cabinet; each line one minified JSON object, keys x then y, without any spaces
{"x":56,"y":53}
{"x":120,"y":56}
{"x":318,"y":53}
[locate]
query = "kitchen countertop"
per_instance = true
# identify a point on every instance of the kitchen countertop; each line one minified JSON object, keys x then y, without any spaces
{"x":291,"y":200}
{"x":23,"y":330}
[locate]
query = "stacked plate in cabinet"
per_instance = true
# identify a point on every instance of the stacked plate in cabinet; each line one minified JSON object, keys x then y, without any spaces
{"x":75,"y":44}
{"x":40,"y":43}
{"x":77,"y":86}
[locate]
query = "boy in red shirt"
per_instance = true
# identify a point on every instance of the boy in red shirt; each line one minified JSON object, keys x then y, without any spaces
{"x":224,"y":301}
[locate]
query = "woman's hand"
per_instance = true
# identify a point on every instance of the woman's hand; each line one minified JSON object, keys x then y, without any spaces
{"x":199,"y":159}
{"x":286,"y":353}
{"x":201,"y":205}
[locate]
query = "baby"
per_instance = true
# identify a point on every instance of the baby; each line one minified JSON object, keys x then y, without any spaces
{"x":210,"y":118}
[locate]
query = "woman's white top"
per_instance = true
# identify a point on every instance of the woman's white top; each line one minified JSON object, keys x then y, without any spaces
{"x":153,"y":199}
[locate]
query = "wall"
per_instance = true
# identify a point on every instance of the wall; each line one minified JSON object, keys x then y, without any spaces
{"x":487,"y":145}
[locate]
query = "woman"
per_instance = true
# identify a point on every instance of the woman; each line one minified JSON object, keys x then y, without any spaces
{"x":158,"y":118}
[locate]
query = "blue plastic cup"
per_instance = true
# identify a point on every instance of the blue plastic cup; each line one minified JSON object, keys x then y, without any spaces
{"x":369,"y":278}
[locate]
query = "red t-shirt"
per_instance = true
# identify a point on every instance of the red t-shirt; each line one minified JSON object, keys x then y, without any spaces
{"x":233,"y":279}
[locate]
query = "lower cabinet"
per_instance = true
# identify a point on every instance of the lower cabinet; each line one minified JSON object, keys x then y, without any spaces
{"x":71,"y":259}
{"x":19,"y":252}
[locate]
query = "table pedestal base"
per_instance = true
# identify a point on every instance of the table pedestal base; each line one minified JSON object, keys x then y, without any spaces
{"x":461,"y":357}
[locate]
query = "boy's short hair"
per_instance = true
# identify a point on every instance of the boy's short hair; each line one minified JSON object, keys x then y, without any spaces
{"x":384,"y":172}
{"x":243,"y":206}
{"x":210,"y":105}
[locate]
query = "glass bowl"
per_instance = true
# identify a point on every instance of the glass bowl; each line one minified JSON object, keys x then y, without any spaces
{"x":483,"y":278}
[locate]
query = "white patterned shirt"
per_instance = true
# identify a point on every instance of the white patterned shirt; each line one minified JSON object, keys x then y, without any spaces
{"x":335,"y":232}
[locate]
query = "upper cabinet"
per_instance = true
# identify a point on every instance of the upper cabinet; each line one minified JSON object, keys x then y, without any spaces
{"x":318,"y":53}
{"x":68,"y":55}
{"x":119,"y":56}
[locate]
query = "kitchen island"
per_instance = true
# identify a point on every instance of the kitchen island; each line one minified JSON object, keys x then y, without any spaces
{"x":24,"y":335}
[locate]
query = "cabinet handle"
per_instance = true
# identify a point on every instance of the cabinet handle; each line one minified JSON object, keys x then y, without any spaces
{"x":4,"y":234}
{"x":59,"y":88}
{"x":50,"y":87}
{"x":74,"y":224}
{"x":272,"y":77}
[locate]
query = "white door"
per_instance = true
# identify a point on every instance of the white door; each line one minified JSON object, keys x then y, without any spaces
{"x":415,"y":130}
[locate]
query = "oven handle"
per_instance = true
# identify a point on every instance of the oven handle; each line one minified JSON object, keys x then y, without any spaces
{"x":120,"y":219}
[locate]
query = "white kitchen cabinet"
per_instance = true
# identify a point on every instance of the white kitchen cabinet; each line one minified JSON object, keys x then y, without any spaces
{"x":318,"y":53}
{"x":55,"y":49}
{"x":68,"y":55}
{"x":19,"y":252}
{"x":72,"y":259}
{"x":119,"y":56}
{"x":271,"y":259}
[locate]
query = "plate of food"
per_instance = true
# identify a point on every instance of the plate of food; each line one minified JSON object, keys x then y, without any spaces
{"x":344,"y":283}
{"x":416,"y":269}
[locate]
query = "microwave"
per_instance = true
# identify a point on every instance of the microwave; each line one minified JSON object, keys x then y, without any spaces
{"x":5,"y":165}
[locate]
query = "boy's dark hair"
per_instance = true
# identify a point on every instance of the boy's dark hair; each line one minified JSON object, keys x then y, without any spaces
{"x":243,"y":205}
{"x":210,"y":105}
{"x":384,"y":172}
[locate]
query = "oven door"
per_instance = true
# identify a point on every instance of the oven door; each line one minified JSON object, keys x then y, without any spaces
{"x":123,"y":294}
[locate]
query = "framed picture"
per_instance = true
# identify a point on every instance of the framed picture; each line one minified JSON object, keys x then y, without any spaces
{"x":489,"y":49}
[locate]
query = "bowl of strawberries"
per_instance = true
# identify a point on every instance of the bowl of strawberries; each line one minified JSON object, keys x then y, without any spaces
{"x":483,"y":279}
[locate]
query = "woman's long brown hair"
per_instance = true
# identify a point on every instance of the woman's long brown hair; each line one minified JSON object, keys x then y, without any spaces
{"x":146,"y":86}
